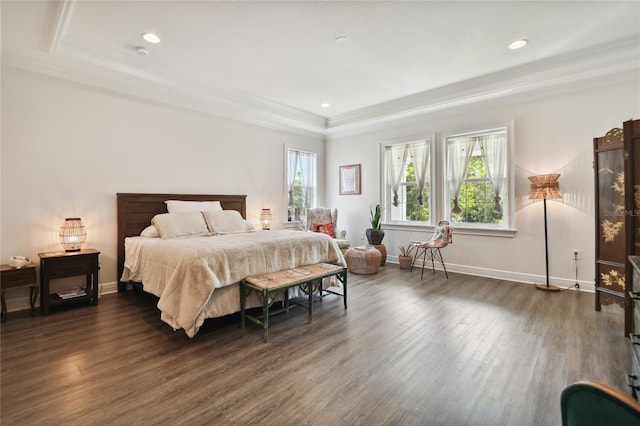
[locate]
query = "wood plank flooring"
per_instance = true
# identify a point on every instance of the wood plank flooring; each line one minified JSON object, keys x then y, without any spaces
{"x":462,"y":351}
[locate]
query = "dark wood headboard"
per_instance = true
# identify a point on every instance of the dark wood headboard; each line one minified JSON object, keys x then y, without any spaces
{"x":135,"y":212}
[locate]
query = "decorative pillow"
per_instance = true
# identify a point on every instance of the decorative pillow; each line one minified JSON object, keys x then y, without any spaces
{"x":175,"y":206}
{"x":150,"y":231}
{"x":183,"y":224}
{"x":226,"y":222}
{"x":324,"y":228}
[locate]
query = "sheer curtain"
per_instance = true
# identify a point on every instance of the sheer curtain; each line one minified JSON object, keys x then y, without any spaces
{"x":494,"y":151}
{"x":306,"y":169}
{"x":292,"y":167}
{"x":396,"y":159}
{"x":420,"y":157}
{"x":458,"y":156}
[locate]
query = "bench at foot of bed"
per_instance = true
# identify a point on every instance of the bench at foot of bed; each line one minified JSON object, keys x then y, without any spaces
{"x":308,"y":277}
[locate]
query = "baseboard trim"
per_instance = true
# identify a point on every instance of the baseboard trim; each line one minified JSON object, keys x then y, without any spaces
{"x":498,"y":274}
{"x":22,"y":303}
{"x":16,"y":304}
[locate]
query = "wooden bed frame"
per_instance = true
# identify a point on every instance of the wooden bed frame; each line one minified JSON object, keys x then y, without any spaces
{"x":135,"y":212}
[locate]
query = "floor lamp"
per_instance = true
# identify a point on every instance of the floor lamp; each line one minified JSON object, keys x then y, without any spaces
{"x":543,"y":187}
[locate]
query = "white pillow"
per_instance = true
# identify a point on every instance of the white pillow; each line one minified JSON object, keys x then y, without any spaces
{"x":175,"y":206}
{"x":150,"y":231}
{"x":183,"y":224}
{"x":226,"y":222}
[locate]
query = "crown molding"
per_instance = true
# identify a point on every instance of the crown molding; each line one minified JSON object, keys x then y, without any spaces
{"x":124,"y":72}
{"x":598,"y":61}
{"x":188,"y":95}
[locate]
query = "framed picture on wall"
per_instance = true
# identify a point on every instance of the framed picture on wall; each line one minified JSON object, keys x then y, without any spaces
{"x":350,"y":179}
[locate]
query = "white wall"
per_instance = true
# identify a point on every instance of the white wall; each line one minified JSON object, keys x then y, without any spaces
{"x":68,"y":149}
{"x":553,"y":133}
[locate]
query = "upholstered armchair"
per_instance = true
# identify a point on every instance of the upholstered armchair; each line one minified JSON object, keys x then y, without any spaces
{"x":588,"y":403}
{"x":317,"y":220}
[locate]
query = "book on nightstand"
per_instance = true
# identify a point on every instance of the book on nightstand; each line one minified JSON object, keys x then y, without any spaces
{"x":70,"y":293}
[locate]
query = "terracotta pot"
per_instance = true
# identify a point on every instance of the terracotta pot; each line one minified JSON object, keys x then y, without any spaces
{"x":405,"y":262}
{"x":383,"y":252}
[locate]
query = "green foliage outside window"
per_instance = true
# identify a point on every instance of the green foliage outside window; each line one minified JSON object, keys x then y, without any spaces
{"x":476,"y":196}
{"x":300,"y":200}
{"x":414,"y":210}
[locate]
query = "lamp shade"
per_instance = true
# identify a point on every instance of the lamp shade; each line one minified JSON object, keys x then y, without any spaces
{"x":544,"y":187}
{"x":266,"y":218}
{"x":72,"y":234}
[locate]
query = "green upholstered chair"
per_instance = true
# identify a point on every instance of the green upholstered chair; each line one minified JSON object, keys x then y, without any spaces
{"x":589,"y":403}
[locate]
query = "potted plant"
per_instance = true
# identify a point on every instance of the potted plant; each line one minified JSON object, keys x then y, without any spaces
{"x":375,"y":234}
{"x":405,"y":259}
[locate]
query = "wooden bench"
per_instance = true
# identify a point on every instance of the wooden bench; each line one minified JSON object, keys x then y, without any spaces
{"x":308,"y":277}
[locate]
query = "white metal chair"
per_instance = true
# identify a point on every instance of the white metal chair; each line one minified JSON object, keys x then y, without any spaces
{"x":430,"y":250}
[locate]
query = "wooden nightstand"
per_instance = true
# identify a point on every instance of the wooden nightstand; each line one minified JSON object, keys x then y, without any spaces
{"x":24,"y":276}
{"x":62,"y":264}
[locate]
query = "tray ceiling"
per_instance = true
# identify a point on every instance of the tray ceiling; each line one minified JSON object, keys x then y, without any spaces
{"x":275,"y":63}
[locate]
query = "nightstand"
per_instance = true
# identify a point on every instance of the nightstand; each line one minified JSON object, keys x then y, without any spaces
{"x":62,"y":264}
{"x":24,"y":276}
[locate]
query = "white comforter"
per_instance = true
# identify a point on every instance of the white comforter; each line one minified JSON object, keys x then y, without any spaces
{"x":184,"y":272}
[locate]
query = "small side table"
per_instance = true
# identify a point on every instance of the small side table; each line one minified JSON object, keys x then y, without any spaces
{"x":61,"y":264}
{"x":24,"y":276}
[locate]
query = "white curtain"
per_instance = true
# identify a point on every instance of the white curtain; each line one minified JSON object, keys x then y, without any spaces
{"x":306,"y":169}
{"x":458,"y":156}
{"x":494,"y":152}
{"x":420,"y":157}
{"x":294,"y":158}
{"x":396,"y":160}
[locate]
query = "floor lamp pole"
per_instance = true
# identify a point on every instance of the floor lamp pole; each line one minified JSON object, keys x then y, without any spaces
{"x":546,"y":254}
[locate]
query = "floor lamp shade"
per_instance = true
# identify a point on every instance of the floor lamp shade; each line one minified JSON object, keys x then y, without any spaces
{"x":545,"y":187}
{"x":72,"y":234}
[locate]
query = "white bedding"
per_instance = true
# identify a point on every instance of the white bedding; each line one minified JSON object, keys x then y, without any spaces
{"x":185,"y":272}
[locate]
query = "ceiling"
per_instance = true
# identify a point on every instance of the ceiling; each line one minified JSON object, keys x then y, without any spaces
{"x":275,"y":63}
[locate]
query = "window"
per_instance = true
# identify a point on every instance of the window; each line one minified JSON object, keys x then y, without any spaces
{"x":300,"y":184}
{"x":464,"y":178}
{"x":476,"y":178}
{"x":407,"y":180}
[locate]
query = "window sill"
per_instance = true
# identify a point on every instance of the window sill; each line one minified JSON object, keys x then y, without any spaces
{"x":457,"y":229}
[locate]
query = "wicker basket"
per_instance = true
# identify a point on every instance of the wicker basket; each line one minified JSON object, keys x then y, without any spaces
{"x":363,"y":260}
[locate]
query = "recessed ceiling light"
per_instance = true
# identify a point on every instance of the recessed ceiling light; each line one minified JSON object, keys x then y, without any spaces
{"x":151,"y":38}
{"x":325,"y":105}
{"x":340,"y":39}
{"x":518,"y":44}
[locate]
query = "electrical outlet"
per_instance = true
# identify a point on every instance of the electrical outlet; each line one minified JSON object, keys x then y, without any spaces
{"x":575,"y":254}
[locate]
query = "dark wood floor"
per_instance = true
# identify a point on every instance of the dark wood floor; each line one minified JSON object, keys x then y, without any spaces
{"x":462,"y":351}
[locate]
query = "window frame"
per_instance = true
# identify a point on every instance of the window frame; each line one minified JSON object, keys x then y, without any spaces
{"x":439,"y":206}
{"x":507,"y":227}
{"x":385,"y":185}
{"x":314,"y":195}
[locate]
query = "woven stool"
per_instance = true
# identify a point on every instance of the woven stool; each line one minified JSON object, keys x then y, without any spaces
{"x":363,"y":260}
